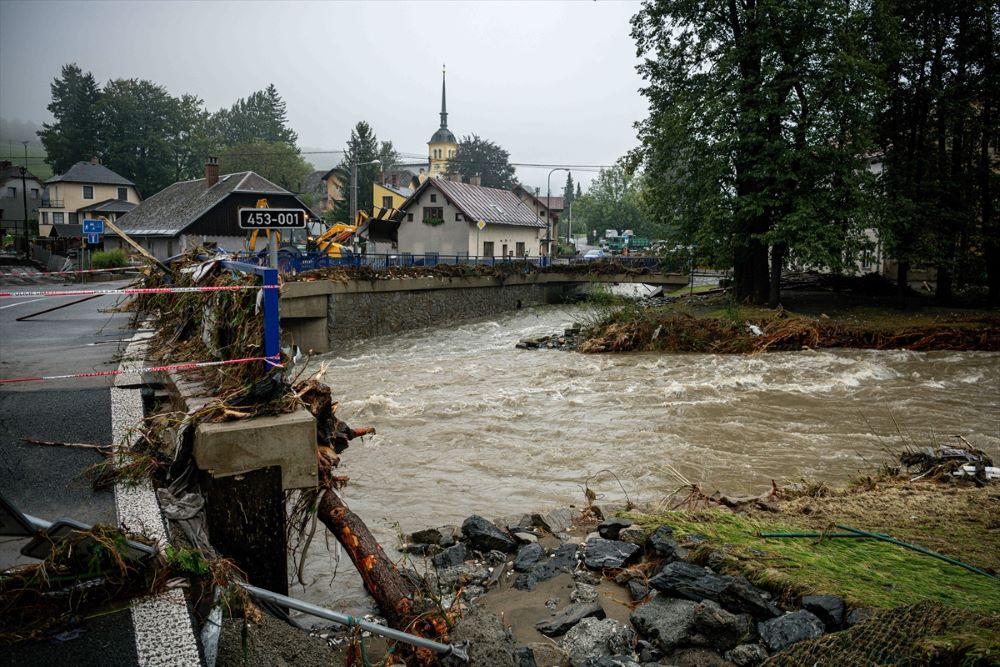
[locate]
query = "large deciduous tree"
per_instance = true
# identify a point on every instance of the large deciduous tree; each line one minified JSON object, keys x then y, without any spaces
{"x":481,"y":157}
{"x":937,"y":138}
{"x":756,"y":130}
{"x":274,"y":160}
{"x":261,"y":116}
{"x":73,"y":134}
{"x":139,"y":125}
{"x":612,"y":202}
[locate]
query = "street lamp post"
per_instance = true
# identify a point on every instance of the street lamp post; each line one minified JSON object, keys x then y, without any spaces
{"x":354,"y":186}
{"x":548,"y":212}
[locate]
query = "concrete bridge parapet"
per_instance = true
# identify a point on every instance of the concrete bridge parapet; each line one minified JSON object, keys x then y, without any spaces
{"x":317,"y":315}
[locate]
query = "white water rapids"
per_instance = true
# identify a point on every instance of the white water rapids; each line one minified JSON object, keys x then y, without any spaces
{"x":469,"y":424}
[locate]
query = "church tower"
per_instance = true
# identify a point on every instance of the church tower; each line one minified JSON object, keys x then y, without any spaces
{"x":443,"y":144}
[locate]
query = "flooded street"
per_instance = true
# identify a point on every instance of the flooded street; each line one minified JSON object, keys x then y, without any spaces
{"x":468,"y":424}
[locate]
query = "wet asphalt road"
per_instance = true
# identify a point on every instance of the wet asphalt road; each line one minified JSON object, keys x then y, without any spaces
{"x":46,"y":481}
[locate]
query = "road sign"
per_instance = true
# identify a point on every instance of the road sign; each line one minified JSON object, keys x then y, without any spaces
{"x":93,"y":227}
{"x":272,"y":218}
{"x":481,"y":224}
{"x":93,"y":239}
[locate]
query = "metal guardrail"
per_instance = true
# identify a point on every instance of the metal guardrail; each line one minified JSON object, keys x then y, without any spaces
{"x":298,"y":261}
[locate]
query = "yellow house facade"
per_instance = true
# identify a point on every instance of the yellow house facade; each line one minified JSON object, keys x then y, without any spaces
{"x":86,"y":187}
{"x":388,"y":197}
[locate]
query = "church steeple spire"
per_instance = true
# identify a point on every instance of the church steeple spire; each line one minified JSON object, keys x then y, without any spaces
{"x":444,"y":107}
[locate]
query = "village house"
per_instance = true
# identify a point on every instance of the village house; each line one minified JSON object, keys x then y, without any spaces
{"x":13,"y":217}
{"x":440,"y":218}
{"x":86,"y":189}
{"x":201,"y":211}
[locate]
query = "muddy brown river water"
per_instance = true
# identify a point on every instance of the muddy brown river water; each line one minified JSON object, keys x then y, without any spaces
{"x":468,"y":424}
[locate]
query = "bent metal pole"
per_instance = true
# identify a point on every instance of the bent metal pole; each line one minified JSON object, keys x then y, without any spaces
{"x":458,"y":650}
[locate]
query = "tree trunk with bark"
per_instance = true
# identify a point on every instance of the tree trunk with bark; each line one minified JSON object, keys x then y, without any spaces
{"x":777,"y":262}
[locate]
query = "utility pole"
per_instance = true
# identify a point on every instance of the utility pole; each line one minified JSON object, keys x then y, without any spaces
{"x":24,"y":199}
{"x":548,"y":212}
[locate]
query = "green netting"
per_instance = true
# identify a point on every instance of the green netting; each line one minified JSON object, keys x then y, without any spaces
{"x":922,"y":634}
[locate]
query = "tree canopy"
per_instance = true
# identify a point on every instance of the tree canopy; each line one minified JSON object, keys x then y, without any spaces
{"x":362,"y":147}
{"x":73,"y":135}
{"x":613,"y":201}
{"x":482,"y":157}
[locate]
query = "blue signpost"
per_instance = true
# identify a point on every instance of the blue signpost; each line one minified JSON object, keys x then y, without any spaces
{"x":93,"y":230}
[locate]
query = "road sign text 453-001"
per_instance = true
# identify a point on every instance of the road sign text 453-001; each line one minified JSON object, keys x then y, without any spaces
{"x":272,"y":218}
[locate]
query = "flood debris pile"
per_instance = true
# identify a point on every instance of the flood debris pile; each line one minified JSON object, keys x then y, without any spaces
{"x":498,"y":270}
{"x":567,"y":340}
{"x":97,"y":571}
{"x":708,"y":581}
{"x":638,"y":329}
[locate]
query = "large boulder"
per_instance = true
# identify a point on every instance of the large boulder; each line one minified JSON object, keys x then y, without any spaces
{"x":829,"y":608}
{"x":450,"y":557}
{"x":527,"y":556}
{"x":561,"y":560}
{"x":593,"y":638}
{"x":484,"y":536}
{"x":489,"y":641}
{"x":667,"y":622}
{"x":681,"y":579}
{"x":696,"y":657}
{"x":633,"y":535}
{"x":609,"y":529}
{"x":747,"y":655}
{"x":780,"y":633}
{"x":600,"y":553}
{"x":720,"y":629}
{"x":556,"y":521}
{"x":442,"y":536}
{"x":568,"y":617}
{"x":662,"y":542}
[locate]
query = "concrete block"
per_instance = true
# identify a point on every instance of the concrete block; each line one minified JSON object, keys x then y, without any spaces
{"x":308,"y":333}
{"x":288,"y":441}
{"x":305,"y":306}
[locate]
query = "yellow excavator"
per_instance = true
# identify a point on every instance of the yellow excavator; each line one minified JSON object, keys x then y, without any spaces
{"x":334,"y":240}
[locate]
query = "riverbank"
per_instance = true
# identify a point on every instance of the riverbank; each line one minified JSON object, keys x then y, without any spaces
{"x":701,"y":580}
{"x":809,"y":319}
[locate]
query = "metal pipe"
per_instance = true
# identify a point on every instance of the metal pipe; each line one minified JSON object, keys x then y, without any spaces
{"x":350,"y":621}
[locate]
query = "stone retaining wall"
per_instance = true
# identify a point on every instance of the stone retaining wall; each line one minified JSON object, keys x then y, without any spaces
{"x":353,"y":316}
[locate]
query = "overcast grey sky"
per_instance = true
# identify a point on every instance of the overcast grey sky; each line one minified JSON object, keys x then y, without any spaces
{"x":552,"y":82}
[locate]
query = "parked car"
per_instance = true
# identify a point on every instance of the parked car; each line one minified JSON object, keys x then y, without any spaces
{"x":595,"y":253}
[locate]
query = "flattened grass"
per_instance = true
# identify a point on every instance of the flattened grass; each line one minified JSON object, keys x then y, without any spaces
{"x":867,"y":573}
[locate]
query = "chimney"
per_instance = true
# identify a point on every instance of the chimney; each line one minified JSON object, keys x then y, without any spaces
{"x":211,"y":171}
{"x":474,"y":180}
{"x":95,"y":160}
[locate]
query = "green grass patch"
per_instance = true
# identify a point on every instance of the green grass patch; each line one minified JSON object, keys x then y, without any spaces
{"x":866,"y":573}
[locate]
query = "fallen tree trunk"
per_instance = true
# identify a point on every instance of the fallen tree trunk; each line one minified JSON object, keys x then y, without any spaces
{"x":394,"y":594}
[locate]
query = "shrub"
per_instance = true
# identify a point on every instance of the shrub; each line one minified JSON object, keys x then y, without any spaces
{"x":108,"y":259}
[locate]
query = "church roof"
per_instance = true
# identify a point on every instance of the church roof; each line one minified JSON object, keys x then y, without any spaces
{"x":442,"y":136}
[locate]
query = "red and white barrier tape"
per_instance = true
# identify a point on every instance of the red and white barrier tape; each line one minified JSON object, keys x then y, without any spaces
{"x":152,"y":369}
{"x":135,"y":290}
{"x":32,"y":274}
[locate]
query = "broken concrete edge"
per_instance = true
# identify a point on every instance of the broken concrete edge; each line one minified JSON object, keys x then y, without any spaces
{"x":237,"y":447}
{"x":164,"y":633}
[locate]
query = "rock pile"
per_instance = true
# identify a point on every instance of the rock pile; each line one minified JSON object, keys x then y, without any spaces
{"x":567,"y":341}
{"x":687,"y":613}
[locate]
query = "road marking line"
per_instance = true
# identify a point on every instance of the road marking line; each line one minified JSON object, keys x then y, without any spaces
{"x":21,"y":303}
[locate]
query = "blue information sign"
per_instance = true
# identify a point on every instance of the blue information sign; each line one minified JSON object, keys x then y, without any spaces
{"x":93,"y":226}
{"x":93,"y":239}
